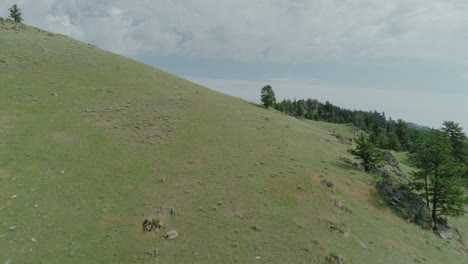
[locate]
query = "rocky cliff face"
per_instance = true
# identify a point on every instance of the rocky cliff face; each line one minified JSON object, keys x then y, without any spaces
{"x":394,"y":191}
{"x":391,"y":169}
{"x":405,"y":203}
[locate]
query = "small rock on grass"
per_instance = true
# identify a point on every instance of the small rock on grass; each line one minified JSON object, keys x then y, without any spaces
{"x":362,"y":244}
{"x":335,"y":259}
{"x":171,"y":234}
{"x":8,"y":261}
{"x":13,"y":227}
{"x":153,"y":253}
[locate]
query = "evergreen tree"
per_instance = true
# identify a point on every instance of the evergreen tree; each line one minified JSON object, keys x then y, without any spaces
{"x":300,"y":108}
{"x":267,"y":96}
{"x":401,"y":130}
{"x":367,"y":152}
{"x":394,"y":142}
{"x":459,"y":144}
{"x":457,"y":139}
{"x":383,"y":141}
{"x":439,"y":175}
{"x":15,"y":13}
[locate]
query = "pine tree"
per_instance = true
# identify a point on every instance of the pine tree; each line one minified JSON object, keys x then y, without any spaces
{"x":401,"y":130}
{"x":457,"y":139}
{"x":267,"y":96}
{"x":15,"y":13}
{"x":394,"y":142}
{"x":367,"y":152}
{"x":439,"y":175}
{"x":301,"y":108}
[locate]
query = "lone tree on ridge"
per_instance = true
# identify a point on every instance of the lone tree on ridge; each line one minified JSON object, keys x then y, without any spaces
{"x":15,"y":13}
{"x":267,"y":96}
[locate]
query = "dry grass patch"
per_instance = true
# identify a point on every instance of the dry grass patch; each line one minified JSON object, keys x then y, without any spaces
{"x":144,"y":119}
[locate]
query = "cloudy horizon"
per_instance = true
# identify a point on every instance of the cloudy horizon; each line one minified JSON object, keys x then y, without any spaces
{"x":401,"y":57}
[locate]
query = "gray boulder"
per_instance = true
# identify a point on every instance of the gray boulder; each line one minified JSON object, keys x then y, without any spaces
{"x":443,"y":231}
{"x":335,"y":259}
{"x":171,"y":234}
{"x":351,"y":163}
{"x":392,"y":173}
{"x":342,"y":139}
{"x":389,"y":159}
{"x":446,"y":231}
{"x":405,"y":203}
{"x":391,"y":169}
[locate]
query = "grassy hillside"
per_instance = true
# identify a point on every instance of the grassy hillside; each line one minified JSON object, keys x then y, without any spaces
{"x":92,"y":143}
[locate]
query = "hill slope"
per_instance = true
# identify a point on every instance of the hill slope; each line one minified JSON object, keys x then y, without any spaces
{"x":92,"y":143}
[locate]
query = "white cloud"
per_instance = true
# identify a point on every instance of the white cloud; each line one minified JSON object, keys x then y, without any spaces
{"x":63,"y":25}
{"x":113,"y":11}
{"x":262,"y":30}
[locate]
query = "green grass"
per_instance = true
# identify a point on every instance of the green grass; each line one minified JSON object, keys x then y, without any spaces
{"x":404,"y":164}
{"x":122,"y":142}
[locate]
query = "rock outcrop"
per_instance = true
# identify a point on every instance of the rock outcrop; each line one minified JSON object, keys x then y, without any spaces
{"x":391,"y":169}
{"x":405,"y":203}
{"x":351,"y":163}
{"x":342,"y":139}
{"x":389,"y":159}
{"x":335,"y":259}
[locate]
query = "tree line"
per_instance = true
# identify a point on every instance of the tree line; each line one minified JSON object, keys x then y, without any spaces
{"x":440,"y":156}
{"x":384,"y":133}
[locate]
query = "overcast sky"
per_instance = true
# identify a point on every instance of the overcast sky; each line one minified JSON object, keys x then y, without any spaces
{"x":408,"y":58}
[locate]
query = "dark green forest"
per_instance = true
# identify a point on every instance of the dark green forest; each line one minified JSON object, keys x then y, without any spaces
{"x":384,"y":132}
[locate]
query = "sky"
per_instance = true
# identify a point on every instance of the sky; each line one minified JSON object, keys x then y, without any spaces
{"x":406,"y":58}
